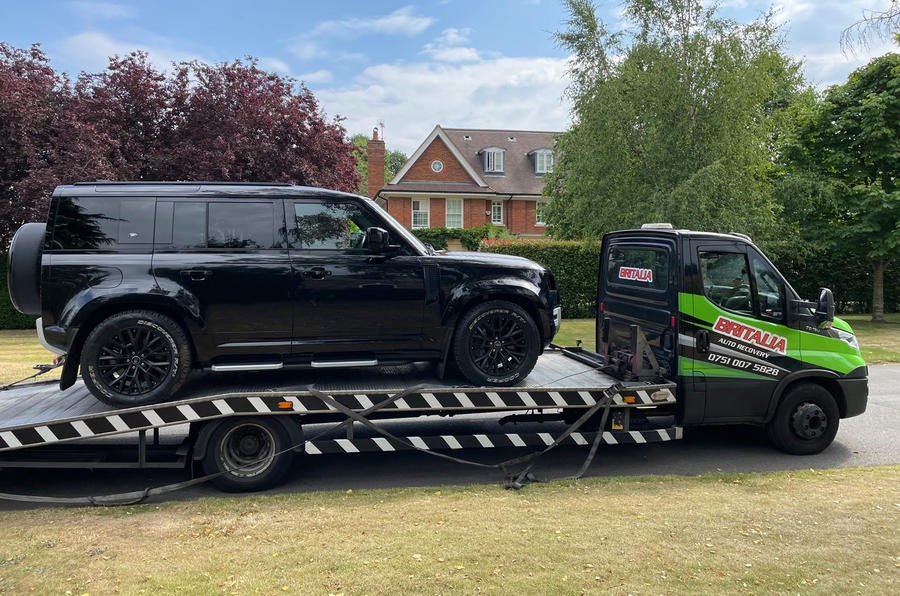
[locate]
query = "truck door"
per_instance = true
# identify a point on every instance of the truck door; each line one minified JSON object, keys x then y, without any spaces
{"x":738,"y":345}
{"x":639,"y":288}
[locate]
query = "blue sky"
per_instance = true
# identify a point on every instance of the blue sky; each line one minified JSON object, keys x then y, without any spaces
{"x":460,"y":63}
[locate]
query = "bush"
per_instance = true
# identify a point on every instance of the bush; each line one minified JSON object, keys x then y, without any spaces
{"x":10,"y":318}
{"x":574,"y":264}
{"x":470,"y":237}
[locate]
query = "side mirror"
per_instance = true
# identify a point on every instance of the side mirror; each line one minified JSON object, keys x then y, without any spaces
{"x":376,"y":240}
{"x":825,"y":307}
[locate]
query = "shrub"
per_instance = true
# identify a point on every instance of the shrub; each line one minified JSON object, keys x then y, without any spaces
{"x":574,"y":264}
{"x":469,"y":237}
{"x":10,"y":318}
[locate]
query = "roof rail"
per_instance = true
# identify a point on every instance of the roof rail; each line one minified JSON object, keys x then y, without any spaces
{"x":657,"y":226}
{"x":178,"y":182}
{"x":744,"y":236}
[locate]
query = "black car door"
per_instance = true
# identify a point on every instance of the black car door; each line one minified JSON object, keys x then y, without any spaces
{"x":346,"y":299}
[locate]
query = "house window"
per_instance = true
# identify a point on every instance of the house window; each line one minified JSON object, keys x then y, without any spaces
{"x":420,"y":213}
{"x":543,"y":161}
{"x":454,"y":214}
{"x":437,"y":166}
{"x":540,"y":211}
{"x":493,"y":160}
{"x":497,"y":213}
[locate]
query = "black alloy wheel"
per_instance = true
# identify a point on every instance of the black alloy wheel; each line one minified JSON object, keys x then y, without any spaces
{"x":134,"y":361}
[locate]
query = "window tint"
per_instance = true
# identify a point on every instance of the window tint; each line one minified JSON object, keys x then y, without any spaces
{"x":331,"y":226}
{"x":181,"y":224}
{"x":241,"y":225}
{"x":102,"y":222}
{"x":770,"y":292}
{"x":726,"y":281}
{"x":638,"y":267}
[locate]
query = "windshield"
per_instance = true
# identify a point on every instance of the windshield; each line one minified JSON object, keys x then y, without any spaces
{"x":396,"y":227}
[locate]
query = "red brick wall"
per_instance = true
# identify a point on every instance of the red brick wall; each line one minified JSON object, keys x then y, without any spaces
{"x":520,"y":217}
{"x":437,"y":218}
{"x":375,"y":159}
{"x":437,"y":150}
{"x":474,"y":213}
{"x":401,"y":210}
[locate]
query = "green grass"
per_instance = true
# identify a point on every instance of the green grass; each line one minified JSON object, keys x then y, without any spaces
{"x":879,"y":342}
{"x":809,"y":532}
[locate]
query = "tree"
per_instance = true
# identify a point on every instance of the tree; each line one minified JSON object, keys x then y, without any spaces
{"x":674,"y":120}
{"x":877,"y":24}
{"x":393,"y":161}
{"x":850,"y":141}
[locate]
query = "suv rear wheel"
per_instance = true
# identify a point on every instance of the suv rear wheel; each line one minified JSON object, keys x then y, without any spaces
{"x":135,"y":357}
{"x":496,"y":343}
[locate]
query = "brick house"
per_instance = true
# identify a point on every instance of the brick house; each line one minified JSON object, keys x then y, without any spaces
{"x":462,"y":178}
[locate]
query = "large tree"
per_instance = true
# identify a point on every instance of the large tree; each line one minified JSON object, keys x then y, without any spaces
{"x":674,"y":118}
{"x":847,"y":147}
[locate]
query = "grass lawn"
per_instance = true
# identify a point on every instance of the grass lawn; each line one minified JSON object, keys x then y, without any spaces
{"x":880,"y":343}
{"x":810,"y":532}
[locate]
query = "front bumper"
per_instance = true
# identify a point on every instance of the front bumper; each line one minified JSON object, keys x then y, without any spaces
{"x":856,"y":396}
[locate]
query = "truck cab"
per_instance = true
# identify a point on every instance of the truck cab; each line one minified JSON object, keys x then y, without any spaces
{"x":714,"y":313}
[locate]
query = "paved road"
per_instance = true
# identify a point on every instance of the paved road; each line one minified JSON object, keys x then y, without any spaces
{"x":867,"y":440}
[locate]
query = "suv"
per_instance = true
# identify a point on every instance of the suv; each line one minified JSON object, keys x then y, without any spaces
{"x":141,"y":282}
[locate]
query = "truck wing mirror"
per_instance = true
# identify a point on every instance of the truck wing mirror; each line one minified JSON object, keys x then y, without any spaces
{"x":376,"y":240}
{"x":825,"y":307}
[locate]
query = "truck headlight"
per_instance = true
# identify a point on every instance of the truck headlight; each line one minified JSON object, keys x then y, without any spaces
{"x":847,"y":337}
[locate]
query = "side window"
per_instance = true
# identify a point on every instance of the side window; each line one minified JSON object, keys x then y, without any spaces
{"x":330,"y":226}
{"x":93,"y":223}
{"x":645,"y":268}
{"x":726,"y":280}
{"x":181,"y":224}
{"x":241,"y":225}
{"x":770,"y":294}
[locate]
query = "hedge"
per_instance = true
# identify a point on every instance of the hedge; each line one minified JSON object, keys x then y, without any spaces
{"x":10,"y":318}
{"x":574,"y":265}
{"x":470,"y":237}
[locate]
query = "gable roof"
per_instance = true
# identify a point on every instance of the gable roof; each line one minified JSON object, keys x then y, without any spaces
{"x":466,"y":146}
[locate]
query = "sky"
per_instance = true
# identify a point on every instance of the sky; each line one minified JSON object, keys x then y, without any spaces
{"x":457,"y":63}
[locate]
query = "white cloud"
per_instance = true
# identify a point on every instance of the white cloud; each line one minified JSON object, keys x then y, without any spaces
{"x":90,"y":51}
{"x":448,"y":47}
{"x":823,"y":69}
{"x":272,"y":64}
{"x":102,"y":10}
{"x":793,"y":11}
{"x":515,"y":93}
{"x":319,"y":76}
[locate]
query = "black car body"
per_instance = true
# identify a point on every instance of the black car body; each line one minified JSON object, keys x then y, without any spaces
{"x":262,"y":277}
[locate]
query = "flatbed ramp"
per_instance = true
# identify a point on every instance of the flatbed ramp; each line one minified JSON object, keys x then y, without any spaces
{"x":38,"y":418}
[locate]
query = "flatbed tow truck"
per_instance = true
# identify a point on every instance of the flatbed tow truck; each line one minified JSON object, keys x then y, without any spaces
{"x":693,"y":328}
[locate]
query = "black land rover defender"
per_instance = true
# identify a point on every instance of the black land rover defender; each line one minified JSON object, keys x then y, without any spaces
{"x":138,"y":283}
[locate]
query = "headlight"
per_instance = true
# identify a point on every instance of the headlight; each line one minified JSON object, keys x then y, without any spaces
{"x":847,"y":337}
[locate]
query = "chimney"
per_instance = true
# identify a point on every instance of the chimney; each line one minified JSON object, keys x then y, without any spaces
{"x":375,"y":159}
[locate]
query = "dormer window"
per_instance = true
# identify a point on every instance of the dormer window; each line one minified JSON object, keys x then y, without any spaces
{"x":493,"y":160}
{"x":543,"y":161}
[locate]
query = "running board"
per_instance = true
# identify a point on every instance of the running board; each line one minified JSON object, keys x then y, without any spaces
{"x":243,"y":367}
{"x":343,"y":363}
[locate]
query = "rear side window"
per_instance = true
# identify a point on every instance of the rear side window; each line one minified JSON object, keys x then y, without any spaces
{"x":646,"y":268}
{"x":185,"y":225}
{"x":102,"y":223}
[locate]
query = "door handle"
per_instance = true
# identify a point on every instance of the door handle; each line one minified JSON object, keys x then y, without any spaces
{"x":196,"y":274}
{"x":702,"y":338}
{"x":316,"y":273}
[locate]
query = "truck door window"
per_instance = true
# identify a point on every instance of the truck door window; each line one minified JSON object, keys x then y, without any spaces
{"x":726,"y":280}
{"x":769,"y":289}
{"x":645,"y":268}
{"x":330,"y":226}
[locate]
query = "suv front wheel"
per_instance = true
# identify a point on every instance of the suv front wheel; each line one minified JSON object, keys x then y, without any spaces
{"x":134,"y":358}
{"x":496,"y":343}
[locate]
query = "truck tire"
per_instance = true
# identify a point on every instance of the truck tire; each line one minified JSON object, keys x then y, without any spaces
{"x":135,"y":357}
{"x":24,"y":275}
{"x":496,"y":343}
{"x":247,"y":453}
{"x":806,"y":421}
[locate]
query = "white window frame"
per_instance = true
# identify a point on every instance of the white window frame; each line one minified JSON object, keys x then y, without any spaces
{"x":447,"y":213}
{"x":424,"y":207}
{"x":494,"y":206}
{"x":537,"y":213}
{"x":491,"y":156}
{"x":543,"y":161}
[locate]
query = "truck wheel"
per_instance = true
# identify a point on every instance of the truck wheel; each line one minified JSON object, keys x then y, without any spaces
{"x":496,"y":343}
{"x":247,"y":452}
{"x":135,"y":357}
{"x":806,"y":421}
{"x":24,"y":279}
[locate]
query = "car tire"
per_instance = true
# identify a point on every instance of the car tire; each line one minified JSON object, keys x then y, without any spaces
{"x":806,"y":421}
{"x":496,"y":343}
{"x":247,"y":453}
{"x":24,"y":276}
{"x":135,"y":357}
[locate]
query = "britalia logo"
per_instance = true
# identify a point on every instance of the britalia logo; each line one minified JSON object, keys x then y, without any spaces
{"x":636,"y":274}
{"x":752,"y":335}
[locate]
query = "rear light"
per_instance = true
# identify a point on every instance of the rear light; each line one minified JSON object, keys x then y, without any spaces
{"x":601,"y":307}
{"x":673,"y":321}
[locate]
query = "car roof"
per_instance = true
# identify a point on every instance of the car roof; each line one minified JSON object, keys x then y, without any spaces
{"x":198,"y":189}
{"x":669,"y":233}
